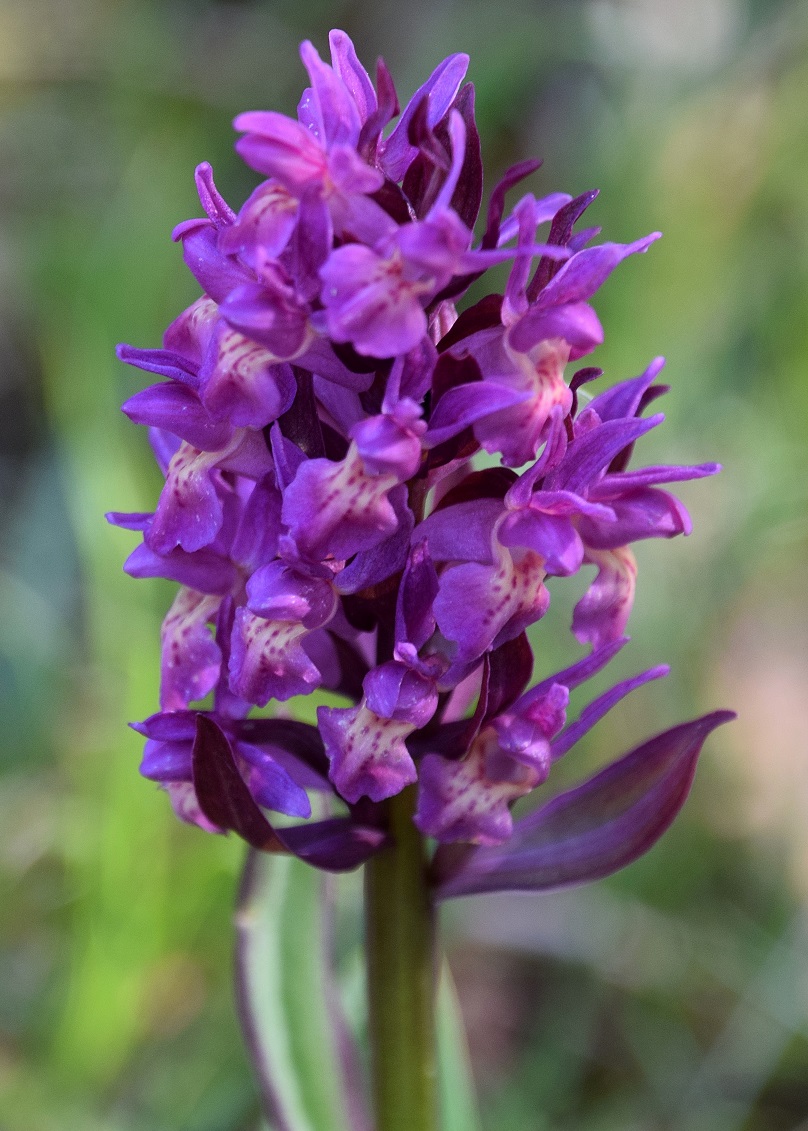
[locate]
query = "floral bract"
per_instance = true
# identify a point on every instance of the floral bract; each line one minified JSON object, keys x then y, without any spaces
{"x":318,"y":420}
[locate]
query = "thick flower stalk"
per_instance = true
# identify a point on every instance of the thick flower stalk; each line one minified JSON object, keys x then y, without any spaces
{"x":318,"y":422}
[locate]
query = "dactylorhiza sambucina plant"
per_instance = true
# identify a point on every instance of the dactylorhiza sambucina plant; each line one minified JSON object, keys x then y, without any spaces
{"x":329,"y":526}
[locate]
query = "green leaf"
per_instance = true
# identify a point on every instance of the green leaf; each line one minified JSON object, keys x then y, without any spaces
{"x":286,"y":996}
{"x":458,"y":1099}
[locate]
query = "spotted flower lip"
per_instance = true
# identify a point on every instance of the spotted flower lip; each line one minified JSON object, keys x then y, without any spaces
{"x":317,"y":415}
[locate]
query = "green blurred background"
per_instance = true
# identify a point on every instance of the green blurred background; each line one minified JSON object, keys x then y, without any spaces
{"x":674,"y":996}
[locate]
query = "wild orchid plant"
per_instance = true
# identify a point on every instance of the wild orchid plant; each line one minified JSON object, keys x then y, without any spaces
{"x":329,"y":527}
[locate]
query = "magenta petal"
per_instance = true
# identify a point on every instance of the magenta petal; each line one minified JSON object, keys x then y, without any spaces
{"x":394,"y":691}
{"x":204,"y":570}
{"x":216,"y":207}
{"x":177,"y":409}
{"x":647,"y":476}
{"x":371,"y":567}
{"x":643,"y":513}
{"x":590,"y":453}
{"x":217,"y":274}
{"x":189,"y":513}
{"x":265,"y":224}
{"x":415,"y":621}
{"x":506,"y":597}
{"x":370,"y":304}
{"x":267,"y":660}
{"x":269,"y":315}
{"x":168,"y":726}
{"x":461,"y":533}
{"x":465,"y":404}
{"x":593,"y":830}
{"x":576,"y":323}
{"x":584,"y":273}
{"x":367,"y":753}
{"x":396,"y":153}
{"x":270,"y":784}
{"x":552,"y":536}
{"x":602,"y":613}
{"x":622,"y":400}
{"x":337,"y":509}
{"x":595,"y":710}
{"x":256,"y":539}
{"x":191,"y":659}
{"x":167,"y":761}
{"x":279,"y":147}
{"x":167,"y":363}
{"x":336,"y":114}
{"x":244,"y":385}
{"x":346,"y":64}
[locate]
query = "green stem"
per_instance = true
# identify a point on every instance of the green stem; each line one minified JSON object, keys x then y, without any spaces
{"x":400,"y":927}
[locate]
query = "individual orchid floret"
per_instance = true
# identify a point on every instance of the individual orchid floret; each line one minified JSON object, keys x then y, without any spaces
{"x":267,"y":659}
{"x":334,"y":510}
{"x":167,"y":759}
{"x":390,"y":444}
{"x":507,"y":596}
{"x":189,"y":513}
{"x":242,"y":382}
{"x":470,"y":799}
{"x":365,"y":744}
{"x":530,"y":354}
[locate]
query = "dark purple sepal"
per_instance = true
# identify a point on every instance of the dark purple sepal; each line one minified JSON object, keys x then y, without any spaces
{"x":203,"y":570}
{"x":167,"y":363}
{"x":223,"y":795}
{"x":216,"y":274}
{"x":496,"y":205}
{"x":385,"y":111}
{"x":506,"y":674}
{"x":301,"y":740}
{"x":177,"y":409}
{"x":484,"y":315}
{"x":335,"y":845}
{"x":560,"y":233}
{"x":593,"y":830}
{"x":468,"y":193}
{"x":415,"y":622}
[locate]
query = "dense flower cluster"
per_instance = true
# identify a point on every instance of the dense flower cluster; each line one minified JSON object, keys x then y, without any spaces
{"x":329,"y":527}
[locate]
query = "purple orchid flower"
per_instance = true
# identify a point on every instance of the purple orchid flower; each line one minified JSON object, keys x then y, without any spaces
{"x":317,"y":419}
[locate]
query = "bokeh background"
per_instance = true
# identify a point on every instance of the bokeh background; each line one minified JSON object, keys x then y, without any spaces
{"x":674,"y":996}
